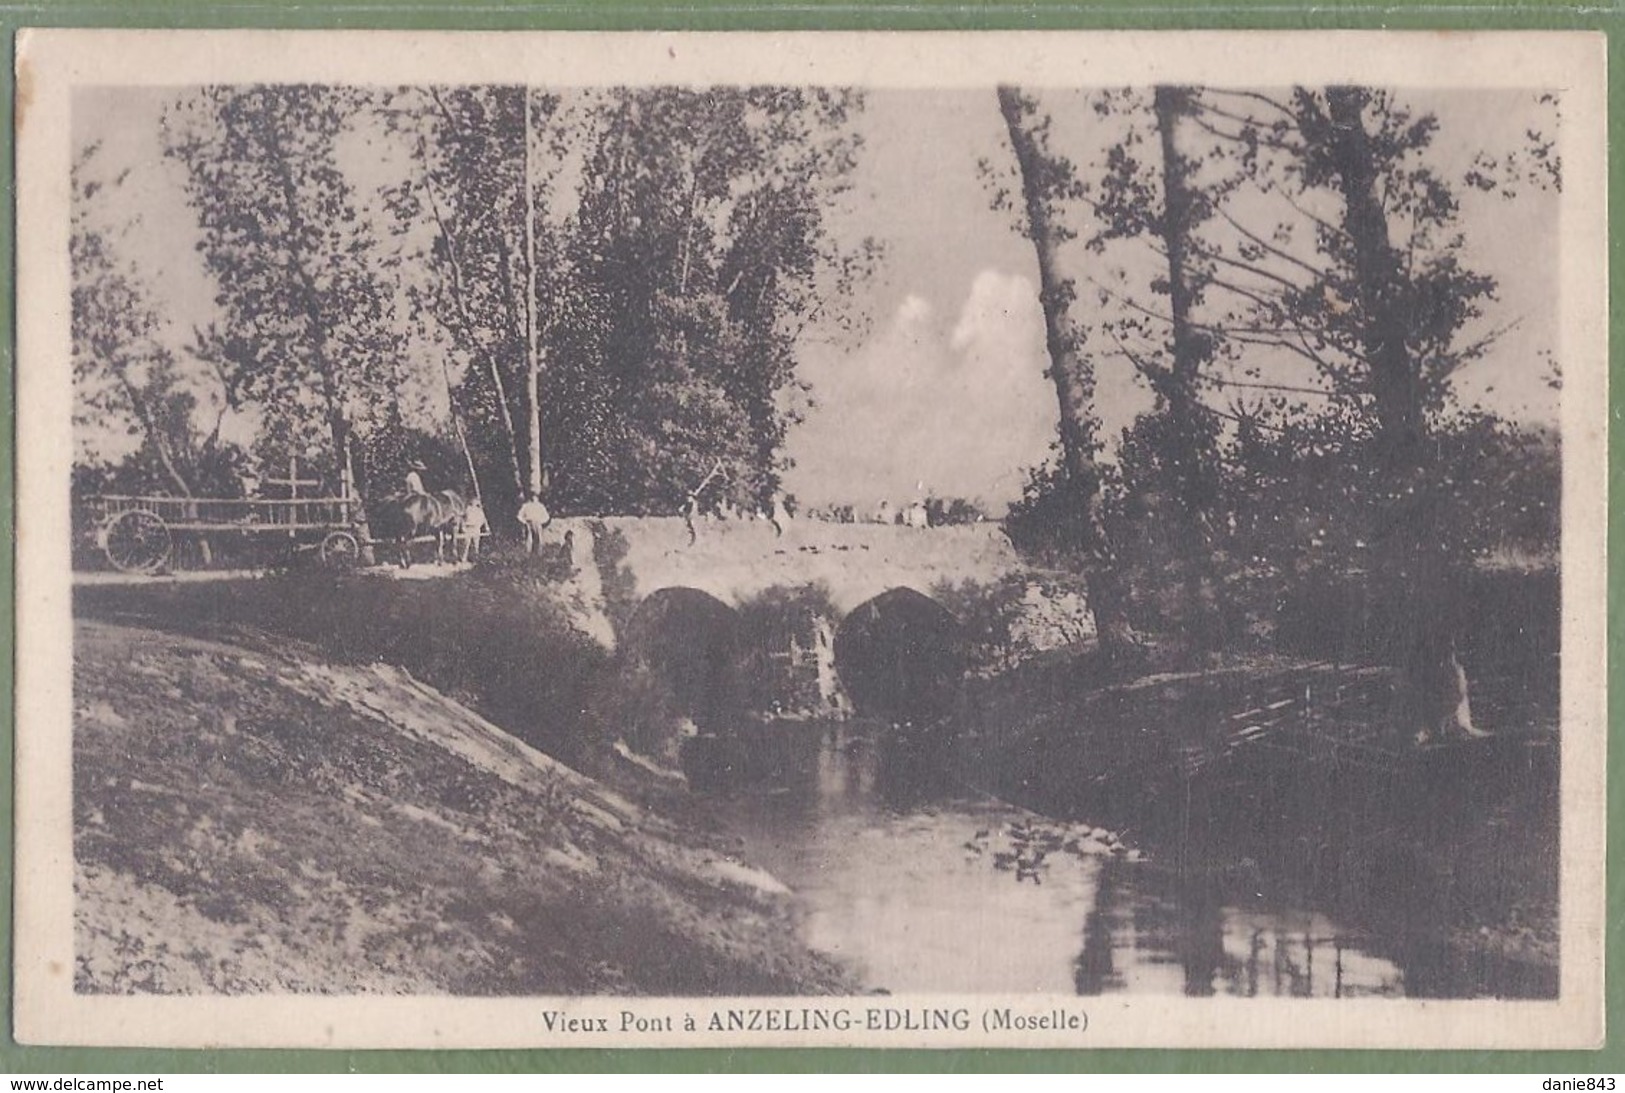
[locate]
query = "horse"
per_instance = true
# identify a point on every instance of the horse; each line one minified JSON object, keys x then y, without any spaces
{"x":440,"y":512}
{"x":406,"y":518}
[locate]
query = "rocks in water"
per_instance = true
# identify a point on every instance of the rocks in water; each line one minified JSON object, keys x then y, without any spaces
{"x":1026,"y":847}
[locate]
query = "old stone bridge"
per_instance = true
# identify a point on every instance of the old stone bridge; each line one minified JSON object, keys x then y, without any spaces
{"x":814,"y":618}
{"x":736,"y":561}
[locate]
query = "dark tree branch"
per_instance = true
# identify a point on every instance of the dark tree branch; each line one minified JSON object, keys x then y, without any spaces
{"x":1471,"y":352}
{"x":1319,"y":221}
{"x":1268,"y":246}
{"x":1255,"y":96}
{"x":1291,"y":388}
{"x":1264,"y":138}
{"x":1130,"y":303}
{"x":1248,"y":267}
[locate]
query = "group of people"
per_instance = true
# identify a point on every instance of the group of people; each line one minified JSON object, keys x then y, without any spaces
{"x":913,"y":515}
{"x":699,"y":507}
{"x":534,"y":519}
{"x":776,"y":512}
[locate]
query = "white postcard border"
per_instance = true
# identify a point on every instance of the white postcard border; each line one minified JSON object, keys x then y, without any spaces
{"x":52,"y":63}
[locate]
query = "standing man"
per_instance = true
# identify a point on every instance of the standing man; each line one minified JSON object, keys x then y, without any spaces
{"x":472,"y":528}
{"x":778,"y":513}
{"x":691,"y":507}
{"x":533,"y":517}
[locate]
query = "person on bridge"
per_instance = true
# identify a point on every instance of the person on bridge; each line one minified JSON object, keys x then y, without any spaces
{"x":691,"y":506}
{"x":778,"y":513}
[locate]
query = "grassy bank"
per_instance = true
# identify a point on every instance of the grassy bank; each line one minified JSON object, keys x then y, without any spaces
{"x":495,"y":637}
{"x":251,"y":816}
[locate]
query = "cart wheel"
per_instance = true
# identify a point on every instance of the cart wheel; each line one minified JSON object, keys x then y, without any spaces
{"x":340,"y":550}
{"x":136,"y":542}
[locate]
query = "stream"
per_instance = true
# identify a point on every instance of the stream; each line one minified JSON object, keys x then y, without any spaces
{"x":923,"y":885}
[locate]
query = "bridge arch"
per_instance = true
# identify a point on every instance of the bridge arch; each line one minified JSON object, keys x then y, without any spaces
{"x":692,"y":642}
{"x":900,"y":656}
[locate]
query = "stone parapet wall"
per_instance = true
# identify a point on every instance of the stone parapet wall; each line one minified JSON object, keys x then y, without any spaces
{"x":737,"y":560}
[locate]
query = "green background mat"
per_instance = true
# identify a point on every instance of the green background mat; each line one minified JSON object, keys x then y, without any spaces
{"x":819,"y":15}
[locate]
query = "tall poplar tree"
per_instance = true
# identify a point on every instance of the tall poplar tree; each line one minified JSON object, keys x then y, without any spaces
{"x":1046,"y":181}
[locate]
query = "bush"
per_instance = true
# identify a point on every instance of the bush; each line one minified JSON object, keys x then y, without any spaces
{"x":1298,"y":503}
{"x":773,"y":625}
{"x":1010,"y":620}
{"x":640,"y":707}
{"x":609,"y":550}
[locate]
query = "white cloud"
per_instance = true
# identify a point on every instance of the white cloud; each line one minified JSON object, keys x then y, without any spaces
{"x":1001,"y":312}
{"x":913,"y":313}
{"x":957,"y":407}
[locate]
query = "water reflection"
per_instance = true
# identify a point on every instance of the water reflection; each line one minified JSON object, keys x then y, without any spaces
{"x":922,"y":885}
{"x":1148,"y":933}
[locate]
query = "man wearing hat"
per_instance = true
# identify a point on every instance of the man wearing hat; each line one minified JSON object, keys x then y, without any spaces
{"x":414,"y":479}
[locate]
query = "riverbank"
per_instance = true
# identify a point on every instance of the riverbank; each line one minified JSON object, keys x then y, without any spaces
{"x":1274,"y":780}
{"x":252,"y":816}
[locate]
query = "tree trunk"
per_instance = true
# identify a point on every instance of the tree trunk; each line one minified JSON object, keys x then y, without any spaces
{"x":1188,"y":355}
{"x":688,"y":229}
{"x":1186,"y":451}
{"x":1434,"y":686}
{"x":338,"y":420}
{"x":1395,"y":380}
{"x":476,"y":344}
{"x":155,"y":434}
{"x":462,"y":436}
{"x":533,"y":405}
{"x":1074,"y":389}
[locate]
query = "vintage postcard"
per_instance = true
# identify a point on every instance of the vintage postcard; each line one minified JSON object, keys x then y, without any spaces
{"x":874,"y":540}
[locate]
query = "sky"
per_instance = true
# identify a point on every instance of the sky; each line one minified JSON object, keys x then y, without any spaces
{"x":949,"y":395}
{"x":945,"y":392}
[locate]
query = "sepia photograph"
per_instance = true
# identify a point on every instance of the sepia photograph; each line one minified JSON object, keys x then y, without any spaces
{"x":944,"y":540}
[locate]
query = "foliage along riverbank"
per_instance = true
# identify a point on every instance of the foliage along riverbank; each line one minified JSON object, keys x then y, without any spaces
{"x":1277,"y":780}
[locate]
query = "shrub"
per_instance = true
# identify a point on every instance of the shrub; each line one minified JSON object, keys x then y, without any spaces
{"x":774,"y":626}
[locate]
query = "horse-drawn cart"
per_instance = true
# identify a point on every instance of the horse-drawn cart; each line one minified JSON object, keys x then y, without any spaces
{"x":142,"y":534}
